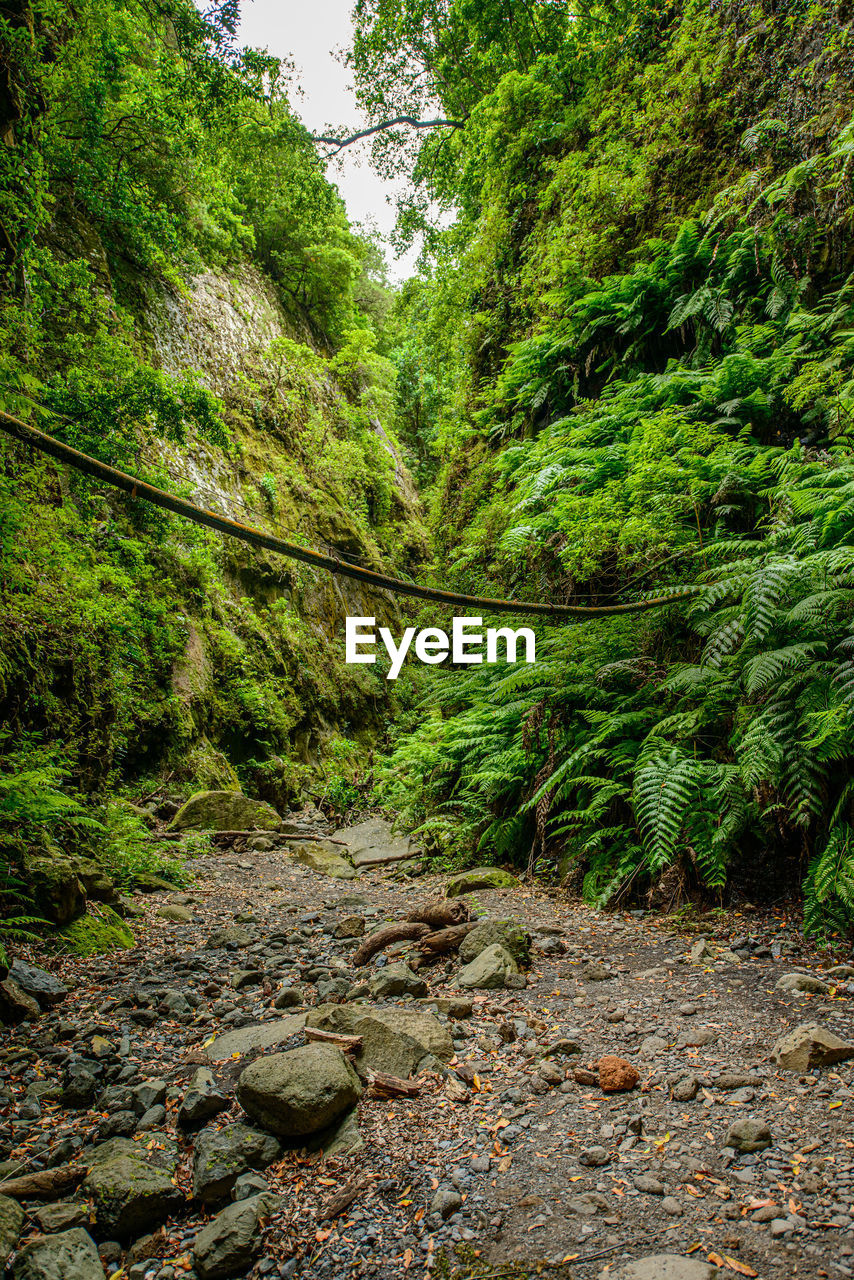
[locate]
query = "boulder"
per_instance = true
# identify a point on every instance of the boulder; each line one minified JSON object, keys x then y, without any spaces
{"x":225,"y":811}
{"x":397,"y":1041}
{"x":373,"y":843}
{"x":131,"y":1187}
{"x":747,"y":1136}
{"x":810,"y":1045}
{"x":350,"y":927}
{"x":804,"y":982}
{"x":329,"y":859}
{"x":38,"y":983}
{"x":175,"y":912}
{"x":616,"y":1075}
{"x":15,"y":1005}
{"x":663,"y":1266}
{"x":70,"y":1255}
{"x":507,"y":933}
{"x":11,"y":1226}
{"x":296,"y":1093}
{"x":479,"y":878}
{"x":55,"y":887}
{"x":489,"y":970}
{"x":397,"y":980}
{"x":231,"y":1241}
{"x":202,"y":1100}
{"x":262,"y":1035}
{"x":220,"y":1156}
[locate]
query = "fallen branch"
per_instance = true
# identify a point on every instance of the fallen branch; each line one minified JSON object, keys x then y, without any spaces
{"x":382,"y":1085}
{"x":384,"y":937}
{"x":339,"y":1200}
{"x":347,"y":1044}
{"x":446,"y":940}
{"x":48,"y":1184}
{"x":441,"y":913}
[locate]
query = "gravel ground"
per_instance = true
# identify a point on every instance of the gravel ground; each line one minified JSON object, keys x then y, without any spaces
{"x":533,"y":1172}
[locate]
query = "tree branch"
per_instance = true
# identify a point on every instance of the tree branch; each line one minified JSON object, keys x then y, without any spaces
{"x":340,"y":143}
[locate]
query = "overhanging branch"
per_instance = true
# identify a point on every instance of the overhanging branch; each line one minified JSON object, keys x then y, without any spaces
{"x":411,"y":121}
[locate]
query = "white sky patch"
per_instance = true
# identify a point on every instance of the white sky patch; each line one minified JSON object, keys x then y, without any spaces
{"x":310,"y":32}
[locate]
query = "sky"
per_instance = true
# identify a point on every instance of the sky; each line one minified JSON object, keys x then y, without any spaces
{"x":310,"y":32}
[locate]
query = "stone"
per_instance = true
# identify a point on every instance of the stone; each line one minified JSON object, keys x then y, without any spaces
{"x":291,"y":997}
{"x":225,"y":811}
{"x":202,"y":1100}
{"x":263,"y":1035}
{"x":350,"y":927}
{"x":148,"y":1094}
{"x":803,"y":982}
{"x":489,"y":970}
{"x":747,"y":1136}
{"x":810,"y":1045}
{"x":242,"y":978}
{"x":56,"y":888}
{"x":61,"y":1216}
{"x":233,"y":936}
{"x":594,"y":1157}
{"x":616,"y":1075}
{"x":11,"y":1226}
{"x":508,"y":933}
{"x":342,"y":1138}
{"x":296,"y":1093}
{"x":373,"y":843}
{"x":70,"y":1255}
{"x":479,"y":878}
{"x":397,"y":1041}
{"x":737,"y":1080}
{"x":648,"y":1185}
{"x":232,"y":1240}
{"x":701,"y":951}
{"x":322,"y":856}
{"x":44,"y":988}
{"x":686,"y":1089}
{"x":249,"y":1184}
{"x":445,"y":1202}
{"x":220,"y":1156}
{"x":596,"y":972}
{"x":174,"y":912}
{"x":397,"y":980}
{"x":132,"y":1187}
{"x":663,"y":1266}
{"x":15,"y":1005}
{"x":79,"y":1088}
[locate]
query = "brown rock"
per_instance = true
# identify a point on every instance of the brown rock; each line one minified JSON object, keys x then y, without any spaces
{"x":616,"y":1075}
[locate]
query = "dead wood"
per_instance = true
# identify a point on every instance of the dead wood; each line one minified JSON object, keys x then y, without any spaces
{"x":47,"y":1184}
{"x":445,"y":940}
{"x":440,"y":913}
{"x":347,"y":1044}
{"x":382,"y":1085}
{"x":339,"y":1200}
{"x":384,"y":937}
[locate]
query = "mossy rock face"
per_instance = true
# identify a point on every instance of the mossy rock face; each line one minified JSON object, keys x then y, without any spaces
{"x":56,"y":887}
{"x":225,"y":811}
{"x":132,"y":1188}
{"x":99,"y":930}
{"x":479,"y":878}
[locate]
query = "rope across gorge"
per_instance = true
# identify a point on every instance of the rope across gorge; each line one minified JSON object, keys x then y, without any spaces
{"x":33,"y":438}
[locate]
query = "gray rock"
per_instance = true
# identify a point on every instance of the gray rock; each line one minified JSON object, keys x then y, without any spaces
{"x":232,"y":1240}
{"x":594,"y":1157}
{"x":810,"y":1045}
{"x":445,"y":1202}
{"x":148,"y":1094}
{"x":44,"y":988}
{"x":398,"y":1041}
{"x":343,"y":1138}
{"x":220,"y":1156}
{"x":748,"y":1135}
{"x":489,"y":970}
{"x":175,"y":913}
{"x":373,"y":843}
{"x":202,"y":1100}
{"x":11,"y":1226}
{"x":263,"y":1035}
{"x":297,"y":1093}
{"x":71,"y":1255}
{"x":249,"y":1184}
{"x":242,"y":978}
{"x":15,"y":1005}
{"x":233,"y":936}
{"x":350,"y":927}
{"x":596,"y":972}
{"x":701,"y":951}
{"x":290,"y":997}
{"x":663,"y":1266}
{"x":61,"y":1216}
{"x":685,"y":1090}
{"x":132,"y":1187}
{"x":804,"y":982}
{"x":397,"y":980}
{"x":507,"y":933}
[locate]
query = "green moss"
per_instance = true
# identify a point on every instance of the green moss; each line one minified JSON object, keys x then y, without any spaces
{"x":100,"y":929}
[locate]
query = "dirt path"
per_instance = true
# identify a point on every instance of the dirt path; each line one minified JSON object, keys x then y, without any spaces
{"x":533,"y":1166}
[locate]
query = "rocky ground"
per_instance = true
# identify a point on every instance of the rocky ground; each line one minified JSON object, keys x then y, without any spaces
{"x":152,"y":1104}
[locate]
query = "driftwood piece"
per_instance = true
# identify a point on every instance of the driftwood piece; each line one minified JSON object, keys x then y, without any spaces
{"x":440,"y":913}
{"x":445,"y":940}
{"x":382,"y":1085}
{"x":47,"y":1184}
{"x":339,"y":1200}
{"x":384,"y":937}
{"x":455,"y":1090}
{"x":347,"y":1044}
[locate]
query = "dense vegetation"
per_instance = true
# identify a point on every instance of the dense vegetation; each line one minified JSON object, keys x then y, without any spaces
{"x":625,"y":369}
{"x":637,"y":357}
